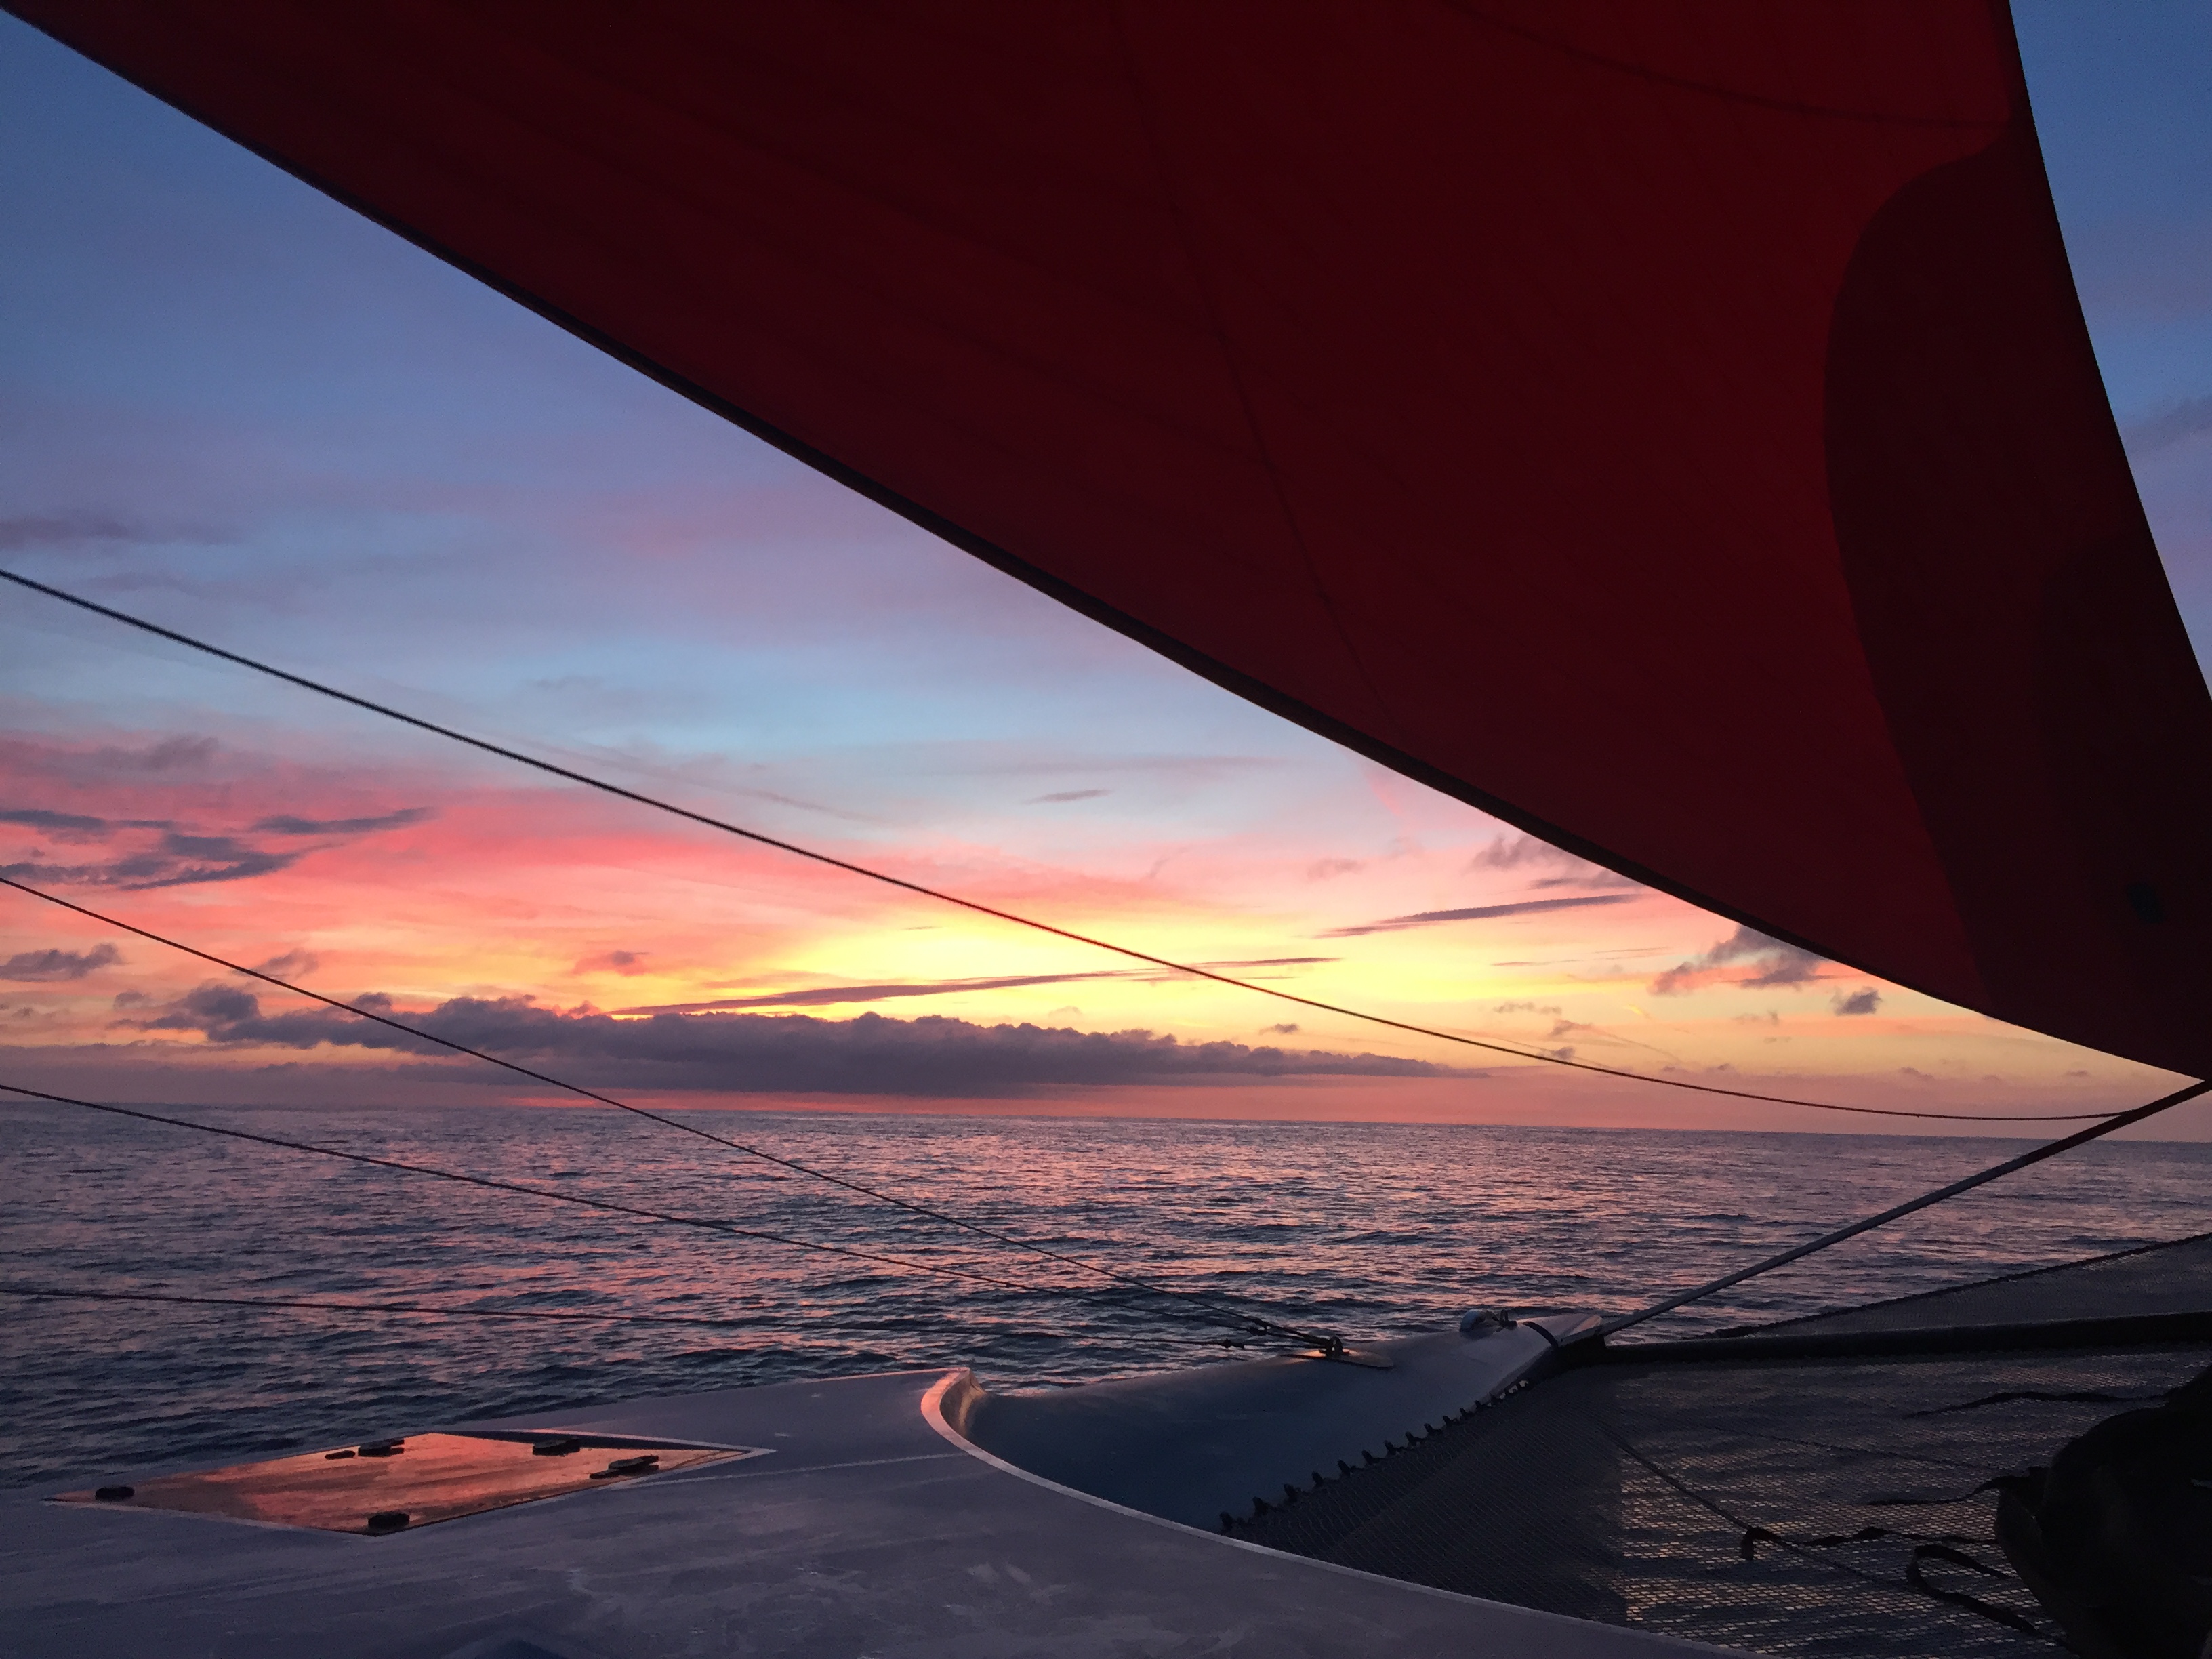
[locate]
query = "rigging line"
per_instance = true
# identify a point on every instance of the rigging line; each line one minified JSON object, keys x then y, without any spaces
{"x":637,"y":1210}
{"x":1249,"y":1323}
{"x":1253,"y":1322}
{"x":2078,"y":1138}
{"x":554,"y":769}
{"x":55,"y":1293}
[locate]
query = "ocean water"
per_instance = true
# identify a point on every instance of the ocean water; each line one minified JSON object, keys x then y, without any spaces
{"x":1363,"y":1228}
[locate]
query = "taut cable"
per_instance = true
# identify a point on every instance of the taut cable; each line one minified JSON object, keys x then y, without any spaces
{"x":639,"y":797}
{"x":2120,"y":1120}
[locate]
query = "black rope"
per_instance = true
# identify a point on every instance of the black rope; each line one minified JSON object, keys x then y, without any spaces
{"x":2070,"y":1397}
{"x":1866,"y":1451}
{"x":1252,"y":1323}
{"x":1755,"y":1537}
{"x":640,"y":799}
{"x":1937,"y":1552}
{"x":1750,"y":1534}
{"x":1940,"y":1501}
{"x":2120,"y":1120}
{"x":1940,"y":1546}
{"x":54,"y":1292}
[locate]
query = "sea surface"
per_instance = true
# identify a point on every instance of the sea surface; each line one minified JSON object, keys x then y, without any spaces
{"x":1360,"y":1229}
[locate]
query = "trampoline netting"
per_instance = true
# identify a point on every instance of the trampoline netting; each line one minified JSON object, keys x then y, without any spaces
{"x":1832,"y":1505}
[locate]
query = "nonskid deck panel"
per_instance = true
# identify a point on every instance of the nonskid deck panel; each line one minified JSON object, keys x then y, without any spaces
{"x":863,"y":1530}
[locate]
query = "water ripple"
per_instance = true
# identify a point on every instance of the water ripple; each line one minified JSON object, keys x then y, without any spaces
{"x":1369,"y":1230}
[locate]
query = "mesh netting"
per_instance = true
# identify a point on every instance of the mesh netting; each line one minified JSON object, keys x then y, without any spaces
{"x":1786,"y":1506}
{"x":2158,"y":1279}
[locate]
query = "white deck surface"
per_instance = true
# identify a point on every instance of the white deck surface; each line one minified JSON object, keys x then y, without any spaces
{"x":1193,"y":1444}
{"x":871,"y":1530}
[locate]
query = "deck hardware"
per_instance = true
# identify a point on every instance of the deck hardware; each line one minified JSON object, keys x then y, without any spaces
{"x":1333,"y":1348}
{"x":563,"y":1447}
{"x":388,"y":1520}
{"x":643,"y":1464}
{"x":381,"y":1448}
{"x":114,"y":1494}
{"x":332,"y":1457}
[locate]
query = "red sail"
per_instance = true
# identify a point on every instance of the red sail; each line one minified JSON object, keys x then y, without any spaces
{"x":1669,"y":425}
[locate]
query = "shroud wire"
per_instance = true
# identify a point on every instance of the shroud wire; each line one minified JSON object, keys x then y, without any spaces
{"x":980,"y":908}
{"x":1249,"y":1323}
{"x":1253,"y":1323}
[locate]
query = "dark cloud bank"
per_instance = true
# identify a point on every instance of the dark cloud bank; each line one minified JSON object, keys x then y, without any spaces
{"x":2183,"y":420}
{"x":57,"y":967}
{"x":286,"y":825}
{"x":1592,"y":886}
{"x":762,"y":1054}
{"x":176,"y":860}
{"x":1477,"y":913}
{"x":828,"y":995}
{"x":165,"y":856}
{"x":1773,"y":965}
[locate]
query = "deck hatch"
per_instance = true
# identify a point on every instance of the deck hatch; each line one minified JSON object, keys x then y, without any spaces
{"x":404,"y":1485}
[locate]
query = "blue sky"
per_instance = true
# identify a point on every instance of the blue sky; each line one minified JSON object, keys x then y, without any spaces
{"x":2122,"y":97}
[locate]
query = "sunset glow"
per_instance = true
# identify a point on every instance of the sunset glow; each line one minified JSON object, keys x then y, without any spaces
{"x":240,"y":411}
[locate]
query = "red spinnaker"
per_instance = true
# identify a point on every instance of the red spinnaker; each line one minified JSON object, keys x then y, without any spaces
{"x":1668,"y":424}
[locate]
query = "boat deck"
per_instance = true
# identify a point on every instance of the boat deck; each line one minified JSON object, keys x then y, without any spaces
{"x":872,"y":1527}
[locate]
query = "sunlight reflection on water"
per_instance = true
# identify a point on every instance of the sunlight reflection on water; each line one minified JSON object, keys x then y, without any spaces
{"x":1369,"y":1230}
